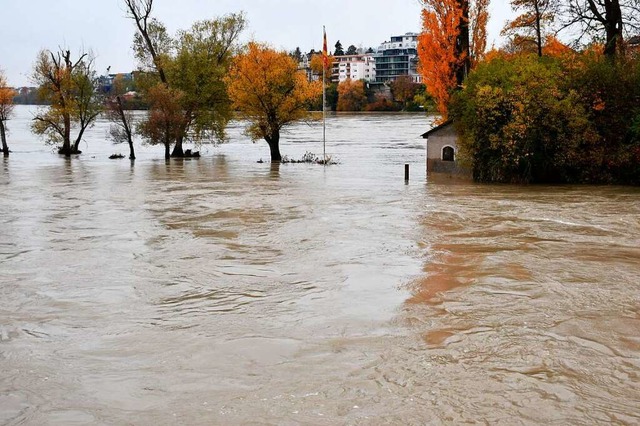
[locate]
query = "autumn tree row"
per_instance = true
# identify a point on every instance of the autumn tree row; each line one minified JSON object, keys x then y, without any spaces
{"x":453,"y":38}
{"x":191,"y":82}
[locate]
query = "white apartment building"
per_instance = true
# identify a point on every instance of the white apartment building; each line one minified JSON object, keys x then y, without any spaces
{"x":353,"y":67}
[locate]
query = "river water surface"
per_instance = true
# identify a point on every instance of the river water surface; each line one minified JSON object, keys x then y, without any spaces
{"x":220,"y":290}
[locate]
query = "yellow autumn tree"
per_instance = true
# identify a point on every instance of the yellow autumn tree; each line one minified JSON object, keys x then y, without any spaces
{"x":6,"y":108}
{"x":317,"y":62}
{"x":452,"y":41}
{"x":266,"y":86}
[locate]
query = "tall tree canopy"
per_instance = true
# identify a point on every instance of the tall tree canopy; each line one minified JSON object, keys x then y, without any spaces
{"x":606,"y":20}
{"x":151,"y":41}
{"x":533,"y":21}
{"x":453,"y":39}
{"x":339,"y":50}
{"x":165,"y":121}
{"x":6,"y":108}
{"x":266,"y":86}
{"x":69,"y":87}
{"x":192,"y":65}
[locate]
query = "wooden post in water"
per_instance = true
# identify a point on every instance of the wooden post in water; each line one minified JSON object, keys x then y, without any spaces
{"x":406,"y":173}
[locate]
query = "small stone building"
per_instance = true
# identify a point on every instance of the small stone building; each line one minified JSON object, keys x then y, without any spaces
{"x":442,"y":151}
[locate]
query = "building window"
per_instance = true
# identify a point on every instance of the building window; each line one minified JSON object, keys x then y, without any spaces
{"x":448,"y":153}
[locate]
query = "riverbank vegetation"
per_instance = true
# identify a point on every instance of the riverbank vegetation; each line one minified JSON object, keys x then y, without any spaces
{"x":573,"y":118}
{"x":537,"y":110}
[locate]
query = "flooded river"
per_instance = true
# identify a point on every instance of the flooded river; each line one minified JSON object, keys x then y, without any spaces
{"x":220,"y":290}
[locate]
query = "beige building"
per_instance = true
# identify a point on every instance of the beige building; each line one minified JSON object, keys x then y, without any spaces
{"x":442,"y":151}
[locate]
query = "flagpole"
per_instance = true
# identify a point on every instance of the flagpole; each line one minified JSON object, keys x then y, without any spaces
{"x":324,"y":98}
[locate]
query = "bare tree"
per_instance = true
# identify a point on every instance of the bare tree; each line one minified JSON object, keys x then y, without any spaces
{"x":121,"y":130}
{"x":611,"y":18}
{"x":151,"y":37}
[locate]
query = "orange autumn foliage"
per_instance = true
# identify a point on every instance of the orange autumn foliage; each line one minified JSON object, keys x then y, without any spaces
{"x":436,"y":49}
{"x":351,"y":95}
{"x":6,"y":98}
{"x":478,"y":19}
{"x":6,"y":107}
{"x":440,"y":60}
{"x":533,"y":22}
{"x":317,"y":62}
{"x":555,"y":48}
{"x":267,"y":88}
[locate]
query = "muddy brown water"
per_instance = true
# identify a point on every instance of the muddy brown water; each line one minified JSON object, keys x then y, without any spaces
{"x":224,"y":291}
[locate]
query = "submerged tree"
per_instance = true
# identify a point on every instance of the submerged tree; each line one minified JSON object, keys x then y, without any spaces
{"x":166,"y":120}
{"x":6,"y":108}
{"x":122,"y":119}
{"x":452,"y":41}
{"x":193,"y":64}
{"x":70,"y":90}
{"x":268,"y":89}
{"x":203,"y":56}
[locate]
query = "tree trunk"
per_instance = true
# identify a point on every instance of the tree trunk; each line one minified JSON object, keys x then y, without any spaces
{"x":76,"y":144}
{"x":538,"y":29}
{"x":177,"y":149}
{"x":127,"y":129}
{"x":132,"y":155}
{"x":611,"y":19}
{"x":274,"y":147}
{"x":463,"y":44}
{"x":167,"y":150}
{"x":614,"y":31}
{"x":3,"y":136}
{"x":66,"y":142}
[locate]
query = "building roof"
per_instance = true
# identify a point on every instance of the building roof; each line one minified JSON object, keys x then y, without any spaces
{"x":426,"y":134}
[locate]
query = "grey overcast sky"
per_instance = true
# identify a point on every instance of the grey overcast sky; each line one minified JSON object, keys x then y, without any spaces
{"x":101,"y":25}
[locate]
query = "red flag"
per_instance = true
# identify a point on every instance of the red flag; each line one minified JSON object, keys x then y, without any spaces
{"x":325,"y":56}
